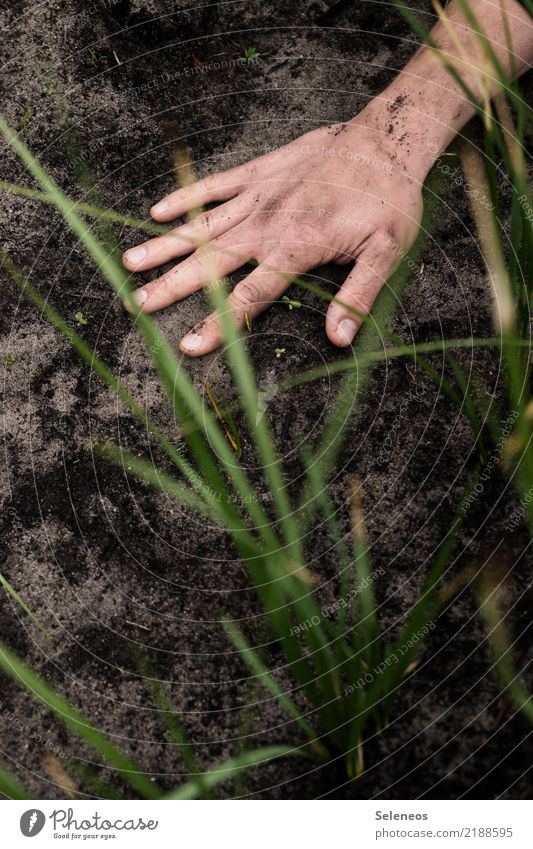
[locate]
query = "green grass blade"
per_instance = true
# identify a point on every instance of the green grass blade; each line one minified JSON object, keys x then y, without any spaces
{"x":88,"y":209}
{"x":73,"y":719}
{"x":166,"y":710}
{"x":180,"y":390}
{"x":193,"y":789}
{"x":241,"y":369}
{"x":22,"y":604}
{"x":252,"y":659}
{"x":10,"y":788}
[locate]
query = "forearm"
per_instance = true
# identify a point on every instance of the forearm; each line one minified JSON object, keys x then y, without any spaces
{"x":424,"y":107}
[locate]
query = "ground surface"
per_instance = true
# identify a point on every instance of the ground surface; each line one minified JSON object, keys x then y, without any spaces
{"x":108,"y":565}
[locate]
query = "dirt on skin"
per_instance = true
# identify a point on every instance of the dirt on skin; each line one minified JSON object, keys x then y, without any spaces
{"x":110,"y":566}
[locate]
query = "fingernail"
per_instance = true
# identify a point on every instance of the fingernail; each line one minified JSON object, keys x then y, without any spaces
{"x":347,"y":329}
{"x":140,"y":296}
{"x":192,"y":342}
{"x":136,"y":255}
{"x":159,"y":207}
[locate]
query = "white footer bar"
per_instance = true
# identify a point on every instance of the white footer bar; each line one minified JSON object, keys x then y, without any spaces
{"x":256,"y":825}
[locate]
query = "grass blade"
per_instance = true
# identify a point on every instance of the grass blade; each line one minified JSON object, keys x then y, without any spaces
{"x":228,"y":769}
{"x":72,"y":718}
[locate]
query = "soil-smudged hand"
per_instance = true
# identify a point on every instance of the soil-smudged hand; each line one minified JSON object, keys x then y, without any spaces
{"x":344,"y":193}
{"x":338,"y":194}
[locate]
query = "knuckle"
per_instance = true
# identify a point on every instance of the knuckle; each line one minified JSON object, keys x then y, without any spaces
{"x":306,"y":232}
{"x":245,"y":294}
{"x":360,"y":301}
{"x":384,"y":239}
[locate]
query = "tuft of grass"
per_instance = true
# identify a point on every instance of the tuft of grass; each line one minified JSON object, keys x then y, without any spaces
{"x":321,"y":658}
{"x":344,"y":670}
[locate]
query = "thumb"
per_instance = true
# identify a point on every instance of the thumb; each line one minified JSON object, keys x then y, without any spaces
{"x":361,"y":288}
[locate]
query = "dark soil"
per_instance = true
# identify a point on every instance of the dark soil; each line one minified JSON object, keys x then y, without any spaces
{"x":107,"y":564}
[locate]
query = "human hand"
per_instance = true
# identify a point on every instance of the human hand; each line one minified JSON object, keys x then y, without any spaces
{"x":337,"y":194}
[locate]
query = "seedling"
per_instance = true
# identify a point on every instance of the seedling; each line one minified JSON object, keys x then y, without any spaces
{"x":25,"y":117}
{"x":9,"y":359}
{"x":293,"y":305}
{"x":96,"y":57}
{"x":279,"y":352}
{"x":80,"y":319}
{"x":248,"y":321}
{"x":251,"y":54}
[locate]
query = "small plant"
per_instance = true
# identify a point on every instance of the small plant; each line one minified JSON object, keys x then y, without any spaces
{"x":96,"y":57}
{"x":251,"y":54}
{"x":25,"y":117}
{"x":9,"y":359}
{"x":80,"y":319}
{"x":279,"y":352}
{"x":292,"y":305}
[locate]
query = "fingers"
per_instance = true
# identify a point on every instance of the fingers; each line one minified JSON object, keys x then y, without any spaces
{"x":215,"y":260}
{"x":250,"y":297}
{"x":374,"y":266}
{"x":186,"y":238}
{"x":221,"y":186}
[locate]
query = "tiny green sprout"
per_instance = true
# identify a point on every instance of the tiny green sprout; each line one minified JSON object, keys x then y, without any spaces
{"x":251,"y":54}
{"x":278,"y":352}
{"x":9,"y":359}
{"x":96,"y":57}
{"x":293,"y":305}
{"x":248,"y":321}
{"x":80,"y":318}
{"x":25,"y":117}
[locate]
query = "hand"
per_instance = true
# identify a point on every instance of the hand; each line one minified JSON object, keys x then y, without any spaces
{"x":337,"y":194}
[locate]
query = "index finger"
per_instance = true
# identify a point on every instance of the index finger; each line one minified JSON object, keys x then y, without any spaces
{"x":214,"y":187}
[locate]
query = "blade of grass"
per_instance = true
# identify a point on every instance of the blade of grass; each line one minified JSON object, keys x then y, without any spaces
{"x":73,"y":719}
{"x":228,"y":769}
{"x":177,"y":384}
{"x":22,"y":604}
{"x":164,"y":707}
{"x":254,"y":662}
{"x":488,"y":591}
{"x":10,"y":788}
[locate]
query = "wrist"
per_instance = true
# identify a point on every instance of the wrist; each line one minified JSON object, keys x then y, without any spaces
{"x":414,"y":121}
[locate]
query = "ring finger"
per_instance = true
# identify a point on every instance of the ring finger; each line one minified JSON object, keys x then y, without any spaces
{"x":250,"y":297}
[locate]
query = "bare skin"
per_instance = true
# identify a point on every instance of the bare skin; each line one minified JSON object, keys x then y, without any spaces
{"x":337,"y":194}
